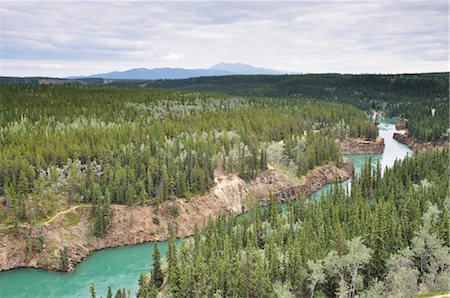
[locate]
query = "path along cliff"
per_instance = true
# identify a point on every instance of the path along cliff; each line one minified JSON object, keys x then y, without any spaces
{"x":41,"y":246}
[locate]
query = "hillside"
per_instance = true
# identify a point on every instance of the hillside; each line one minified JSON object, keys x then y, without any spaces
{"x":410,"y":96}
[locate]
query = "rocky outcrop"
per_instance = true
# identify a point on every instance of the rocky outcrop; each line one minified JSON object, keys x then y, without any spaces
{"x":400,"y":123}
{"x":139,"y":224}
{"x":401,"y":136}
{"x":359,"y":146}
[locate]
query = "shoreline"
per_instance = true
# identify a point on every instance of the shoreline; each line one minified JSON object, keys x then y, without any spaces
{"x":133,"y":225}
{"x":360,"y":146}
{"x":402,"y":136}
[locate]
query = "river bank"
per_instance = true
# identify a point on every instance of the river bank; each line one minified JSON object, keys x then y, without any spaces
{"x":359,"y":146}
{"x":122,"y":266}
{"x":402,"y":136}
{"x":41,"y":246}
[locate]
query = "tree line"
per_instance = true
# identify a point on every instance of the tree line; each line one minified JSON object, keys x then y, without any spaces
{"x":387,"y":237}
{"x":102,"y":145}
{"x":412,"y":96}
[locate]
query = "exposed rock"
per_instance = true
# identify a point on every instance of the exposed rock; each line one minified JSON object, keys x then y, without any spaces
{"x":402,"y":137}
{"x":135,"y":224}
{"x":359,"y":146}
{"x":400,"y":123}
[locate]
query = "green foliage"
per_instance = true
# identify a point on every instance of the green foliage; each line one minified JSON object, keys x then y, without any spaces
{"x":143,"y":291}
{"x":368,"y":242}
{"x":92,"y":290}
{"x":72,"y":218}
{"x":109,"y":293}
{"x":411,"y":96}
{"x":157,"y":274}
{"x":156,"y":220}
{"x":64,"y":259}
{"x":35,"y":245}
{"x":105,"y":145}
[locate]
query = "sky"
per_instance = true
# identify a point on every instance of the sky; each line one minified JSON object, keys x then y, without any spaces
{"x":65,"y":38}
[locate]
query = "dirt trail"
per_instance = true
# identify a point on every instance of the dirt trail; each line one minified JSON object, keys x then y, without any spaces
{"x":61,"y":213}
{"x":139,"y":224}
{"x":73,"y":209}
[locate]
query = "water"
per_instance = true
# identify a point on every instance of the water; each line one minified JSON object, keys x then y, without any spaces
{"x":121,"y":267}
{"x":116,"y":267}
{"x":393,"y":150}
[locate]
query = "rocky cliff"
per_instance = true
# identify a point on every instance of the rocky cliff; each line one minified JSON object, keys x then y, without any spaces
{"x":40,"y":247}
{"x":359,"y":146}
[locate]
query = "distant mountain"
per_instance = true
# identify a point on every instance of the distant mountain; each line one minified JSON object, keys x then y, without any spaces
{"x":157,"y":73}
{"x":239,"y":68}
{"x":220,"y":69}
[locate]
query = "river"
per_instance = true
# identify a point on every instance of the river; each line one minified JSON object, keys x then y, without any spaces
{"x":122,"y":266}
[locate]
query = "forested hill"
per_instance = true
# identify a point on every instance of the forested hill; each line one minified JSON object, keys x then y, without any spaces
{"x":103,"y":144}
{"x":388,"y":238}
{"x":343,"y":87}
{"x":411,"y":96}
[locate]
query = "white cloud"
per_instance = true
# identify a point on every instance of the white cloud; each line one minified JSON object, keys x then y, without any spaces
{"x":173,"y":57}
{"x":70,"y":38}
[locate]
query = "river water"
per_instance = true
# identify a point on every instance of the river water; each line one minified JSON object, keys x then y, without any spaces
{"x":121,"y":267}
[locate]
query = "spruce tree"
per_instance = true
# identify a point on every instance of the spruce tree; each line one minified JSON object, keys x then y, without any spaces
{"x":157,"y":274}
{"x":92,"y":290}
{"x":109,"y":294}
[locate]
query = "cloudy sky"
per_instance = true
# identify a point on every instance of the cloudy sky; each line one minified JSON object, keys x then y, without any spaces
{"x":73,"y":38}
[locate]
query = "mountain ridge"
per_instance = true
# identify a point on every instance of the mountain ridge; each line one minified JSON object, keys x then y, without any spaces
{"x":220,"y":69}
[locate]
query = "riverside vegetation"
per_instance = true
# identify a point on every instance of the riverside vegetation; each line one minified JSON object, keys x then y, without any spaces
{"x":69,"y":145}
{"x":389,"y":237}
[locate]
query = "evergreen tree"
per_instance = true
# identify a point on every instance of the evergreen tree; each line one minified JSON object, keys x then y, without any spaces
{"x":157,"y":274}
{"x":92,"y":290}
{"x":109,"y":294}
{"x":64,"y":259}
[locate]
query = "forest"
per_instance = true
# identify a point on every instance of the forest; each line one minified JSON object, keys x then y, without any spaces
{"x":386,"y":237}
{"x":62,"y":145}
{"x":410,"y":96}
{"x":76,"y":144}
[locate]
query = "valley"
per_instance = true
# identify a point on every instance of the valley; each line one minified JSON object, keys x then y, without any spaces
{"x":227,"y":196}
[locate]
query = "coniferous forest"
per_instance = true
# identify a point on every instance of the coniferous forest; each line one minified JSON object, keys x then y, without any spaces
{"x":411,"y":96}
{"x":65,"y":145}
{"x":90,"y":145}
{"x":206,"y":149}
{"x":387,"y":238}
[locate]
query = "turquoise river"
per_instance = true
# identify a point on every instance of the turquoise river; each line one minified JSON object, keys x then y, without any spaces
{"x":121,"y":267}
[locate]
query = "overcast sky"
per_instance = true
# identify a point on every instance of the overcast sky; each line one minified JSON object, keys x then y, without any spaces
{"x":74,"y":38}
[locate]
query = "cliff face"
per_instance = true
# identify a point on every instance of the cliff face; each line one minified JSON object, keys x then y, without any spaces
{"x":402,"y":136}
{"x":139,"y":224}
{"x":359,"y":146}
{"x":400,"y":123}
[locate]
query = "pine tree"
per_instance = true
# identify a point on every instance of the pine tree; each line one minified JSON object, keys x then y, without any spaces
{"x":63,"y":259}
{"x":153,"y":292}
{"x":92,"y":290}
{"x":109,"y":294}
{"x":143,"y":290}
{"x":22,"y":184}
{"x":157,"y":274}
{"x":172,"y":266}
